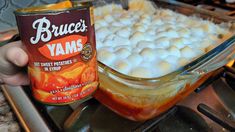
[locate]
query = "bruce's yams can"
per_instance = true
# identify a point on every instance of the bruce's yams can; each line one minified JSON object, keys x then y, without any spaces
{"x":60,"y":43}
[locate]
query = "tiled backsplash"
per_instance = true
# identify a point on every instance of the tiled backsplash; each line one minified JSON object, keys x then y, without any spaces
{"x":7,"y":7}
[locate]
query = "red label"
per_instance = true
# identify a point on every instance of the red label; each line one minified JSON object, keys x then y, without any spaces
{"x":62,"y":54}
{"x":63,"y":48}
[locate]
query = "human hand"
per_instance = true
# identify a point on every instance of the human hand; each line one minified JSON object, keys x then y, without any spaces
{"x":12,"y":60}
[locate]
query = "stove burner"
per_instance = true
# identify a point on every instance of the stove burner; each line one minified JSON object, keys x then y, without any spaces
{"x":183,"y":120}
{"x":217,"y":117}
{"x":177,"y":119}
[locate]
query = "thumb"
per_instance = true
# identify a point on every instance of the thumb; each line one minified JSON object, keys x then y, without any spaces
{"x":12,"y":56}
{"x":17,"y":56}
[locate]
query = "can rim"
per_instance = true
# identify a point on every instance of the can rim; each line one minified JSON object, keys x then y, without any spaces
{"x":45,"y":9}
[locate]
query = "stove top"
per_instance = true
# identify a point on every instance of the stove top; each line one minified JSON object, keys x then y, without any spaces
{"x":210,"y":108}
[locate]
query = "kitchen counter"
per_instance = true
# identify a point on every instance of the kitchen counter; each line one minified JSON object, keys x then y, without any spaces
{"x":8,"y":121}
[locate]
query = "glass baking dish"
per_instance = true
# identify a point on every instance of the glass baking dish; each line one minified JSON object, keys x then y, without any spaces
{"x":140,"y":99}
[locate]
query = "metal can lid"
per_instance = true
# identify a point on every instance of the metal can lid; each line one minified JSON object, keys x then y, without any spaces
{"x":54,"y":8}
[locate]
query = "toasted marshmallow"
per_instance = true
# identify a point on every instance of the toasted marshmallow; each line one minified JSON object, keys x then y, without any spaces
{"x":136,"y":37}
{"x":122,"y":66}
{"x":184,"y":32}
{"x":187,"y":52}
{"x":108,"y":18}
{"x":196,"y":31}
{"x":102,"y":33}
{"x":145,"y":44}
{"x":141,"y":72}
{"x":106,"y":57}
{"x":122,"y":53}
{"x":162,"y":68}
{"x":174,"y":51}
{"x":172,"y":59}
{"x":162,"y":42}
{"x":161,"y":53}
{"x":124,"y":32}
{"x":135,"y":59}
{"x":183,"y":61}
{"x":148,"y":54}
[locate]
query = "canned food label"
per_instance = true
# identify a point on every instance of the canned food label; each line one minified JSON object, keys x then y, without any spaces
{"x":62,"y":54}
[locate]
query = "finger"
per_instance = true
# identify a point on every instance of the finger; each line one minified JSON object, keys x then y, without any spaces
{"x":17,"y":56}
{"x":17,"y":79}
{"x":7,"y":62}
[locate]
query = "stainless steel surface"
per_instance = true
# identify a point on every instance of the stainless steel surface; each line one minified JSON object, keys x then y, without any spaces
{"x":222,"y":120}
{"x":207,"y":96}
{"x":226,"y":95}
{"x":78,"y":108}
{"x":28,"y":115}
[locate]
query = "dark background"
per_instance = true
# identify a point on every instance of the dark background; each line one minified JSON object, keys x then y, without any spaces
{"x":7,"y":7}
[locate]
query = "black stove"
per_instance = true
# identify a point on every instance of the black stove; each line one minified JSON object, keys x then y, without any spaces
{"x":210,"y":108}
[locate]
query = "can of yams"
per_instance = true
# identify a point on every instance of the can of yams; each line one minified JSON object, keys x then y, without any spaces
{"x":60,"y":42}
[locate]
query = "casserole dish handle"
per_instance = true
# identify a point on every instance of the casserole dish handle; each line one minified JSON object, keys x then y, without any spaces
{"x":214,"y":59}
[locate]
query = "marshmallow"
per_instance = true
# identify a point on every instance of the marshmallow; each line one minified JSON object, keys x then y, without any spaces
{"x":148,"y":54}
{"x":101,"y":23}
{"x":102,"y":32}
{"x":208,"y":27}
{"x":122,"y":53}
{"x":108,"y":18}
{"x":141,"y":72}
{"x":172,"y":50}
{"x":116,"y":23}
{"x":162,"y":42}
{"x":122,"y":66}
{"x":182,"y":61}
{"x":120,"y":41}
{"x":124,"y":32}
{"x":157,"y":21}
{"x":172,"y":59}
{"x":184,"y":32}
{"x":187,"y":52}
{"x":135,"y":59}
{"x":178,"y":42}
{"x":106,"y":57}
{"x":172,"y":33}
{"x":125,"y":21}
{"x":137,"y":36}
{"x":162,"y":68}
{"x":197,"y":31}
{"x":145,"y":44}
{"x":161,"y":53}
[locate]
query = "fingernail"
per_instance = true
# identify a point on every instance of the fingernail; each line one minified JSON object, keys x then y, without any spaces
{"x":17,"y":59}
{"x":20,"y":59}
